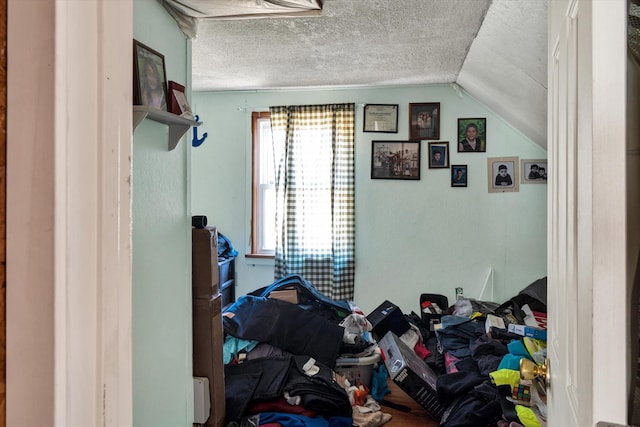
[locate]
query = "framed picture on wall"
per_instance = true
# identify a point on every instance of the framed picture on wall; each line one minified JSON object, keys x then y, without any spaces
{"x":458,"y":175}
{"x":381,"y":118}
{"x":472,"y":135}
{"x":395,"y":160}
{"x":438,"y":155}
{"x":534,"y":171}
{"x":424,"y":120}
{"x":503,"y":174}
{"x":149,"y":77}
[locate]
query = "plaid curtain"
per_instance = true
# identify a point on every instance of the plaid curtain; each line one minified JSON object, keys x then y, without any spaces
{"x":315,"y":193}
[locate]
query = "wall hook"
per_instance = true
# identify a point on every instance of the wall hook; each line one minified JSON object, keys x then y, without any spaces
{"x":195,"y":142}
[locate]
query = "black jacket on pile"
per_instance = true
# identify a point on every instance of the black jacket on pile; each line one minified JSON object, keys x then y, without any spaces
{"x":286,"y":326}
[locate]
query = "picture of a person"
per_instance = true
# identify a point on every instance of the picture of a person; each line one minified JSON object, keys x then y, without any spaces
{"x":503,"y":178}
{"x":542,"y":172}
{"x":459,"y":177}
{"x":152,"y":89}
{"x":533,"y":172}
{"x":437,"y":158}
{"x":471,"y":142}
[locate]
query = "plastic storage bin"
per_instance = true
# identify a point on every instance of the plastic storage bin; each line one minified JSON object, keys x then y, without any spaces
{"x":358,"y":370}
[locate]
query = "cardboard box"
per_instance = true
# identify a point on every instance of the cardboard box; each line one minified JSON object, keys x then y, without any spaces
{"x":208,"y":340}
{"x":388,"y":317}
{"x":204,"y":262}
{"x":411,"y":374}
{"x":288,"y":295}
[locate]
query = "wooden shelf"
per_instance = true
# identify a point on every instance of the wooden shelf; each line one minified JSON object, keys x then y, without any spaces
{"x":178,"y":126}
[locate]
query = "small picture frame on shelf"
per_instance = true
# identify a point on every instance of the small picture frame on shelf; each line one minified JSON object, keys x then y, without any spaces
{"x":458,"y":175}
{"x":503,"y":174}
{"x":438,"y":155}
{"x":395,"y":160}
{"x":149,"y":77}
{"x":424,"y":120}
{"x":381,"y":118}
{"x":178,"y":103}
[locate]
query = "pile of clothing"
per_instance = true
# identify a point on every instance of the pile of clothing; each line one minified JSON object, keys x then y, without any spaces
{"x":479,"y":381}
{"x":280,"y":359}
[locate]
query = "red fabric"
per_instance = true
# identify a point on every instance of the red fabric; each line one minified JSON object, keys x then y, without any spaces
{"x":280,"y":405}
{"x":271,"y":425}
{"x":541,"y":318}
{"x":421,"y":350}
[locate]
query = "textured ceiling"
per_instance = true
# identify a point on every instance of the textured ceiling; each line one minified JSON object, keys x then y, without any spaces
{"x":353,"y":42}
{"x":496,"y":50}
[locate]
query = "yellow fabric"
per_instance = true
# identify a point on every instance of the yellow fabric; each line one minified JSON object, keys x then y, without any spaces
{"x":527,"y":417}
{"x":533,"y":345}
{"x":505,"y":376}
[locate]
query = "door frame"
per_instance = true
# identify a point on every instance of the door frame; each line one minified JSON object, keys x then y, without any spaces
{"x":69,"y":136}
{"x":589,"y":246}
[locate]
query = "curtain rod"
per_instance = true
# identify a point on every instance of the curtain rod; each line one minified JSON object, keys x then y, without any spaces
{"x":358,"y":104}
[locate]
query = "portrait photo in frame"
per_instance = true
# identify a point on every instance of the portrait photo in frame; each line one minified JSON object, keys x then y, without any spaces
{"x":503,"y":174}
{"x":458,"y":175}
{"x":395,"y":160}
{"x":438,"y":155}
{"x":534,"y":171}
{"x":424,"y":120}
{"x":380,"y":118}
{"x":149,"y":77}
{"x":472,"y":135}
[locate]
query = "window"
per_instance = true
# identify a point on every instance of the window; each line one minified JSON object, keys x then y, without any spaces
{"x":263,"y":238}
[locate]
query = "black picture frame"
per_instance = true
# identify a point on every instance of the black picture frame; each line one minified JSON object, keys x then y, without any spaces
{"x":381,"y":118}
{"x":149,"y":77}
{"x":424,"y":120}
{"x":459,"y":175}
{"x":395,"y":160}
{"x":439,"y":155}
{"x":468,"y":125}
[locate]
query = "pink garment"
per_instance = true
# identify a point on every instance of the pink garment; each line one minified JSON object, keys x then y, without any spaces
{"x":450,"y":363}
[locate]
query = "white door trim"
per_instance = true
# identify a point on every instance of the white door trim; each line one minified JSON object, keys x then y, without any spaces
{"x":69,"y":213}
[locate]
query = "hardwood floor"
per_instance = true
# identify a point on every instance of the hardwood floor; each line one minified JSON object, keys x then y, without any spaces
{"x":416,"y":417}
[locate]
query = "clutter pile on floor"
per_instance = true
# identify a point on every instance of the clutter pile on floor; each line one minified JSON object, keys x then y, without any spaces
{"x":294,"y":357}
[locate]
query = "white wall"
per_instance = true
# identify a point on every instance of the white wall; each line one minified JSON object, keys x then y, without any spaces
{"x":411,"y":236}
{"x":162,"y":343}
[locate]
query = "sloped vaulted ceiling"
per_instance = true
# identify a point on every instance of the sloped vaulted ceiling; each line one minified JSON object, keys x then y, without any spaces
{"x":506,"y":67}
{"x":495,"y":49}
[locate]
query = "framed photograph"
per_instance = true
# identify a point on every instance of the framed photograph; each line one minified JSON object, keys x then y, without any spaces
{"x":534,"y":171}
{"x":438,"y":155}
{"x":149,"y":77}
{"x":178,"y":103}
{"x":503,"y":174}
{"x":381,"y":118}
{"x":458,"y":175}
{"x":395,"y":160}
{"x":472,"y":135}
{"x":424,"y":120}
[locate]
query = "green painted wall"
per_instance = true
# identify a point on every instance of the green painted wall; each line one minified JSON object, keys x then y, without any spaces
{"x":162,"y":345}
{"x":411,"y":236}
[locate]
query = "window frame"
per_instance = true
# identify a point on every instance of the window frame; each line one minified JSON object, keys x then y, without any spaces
{"x":256,"y":252}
